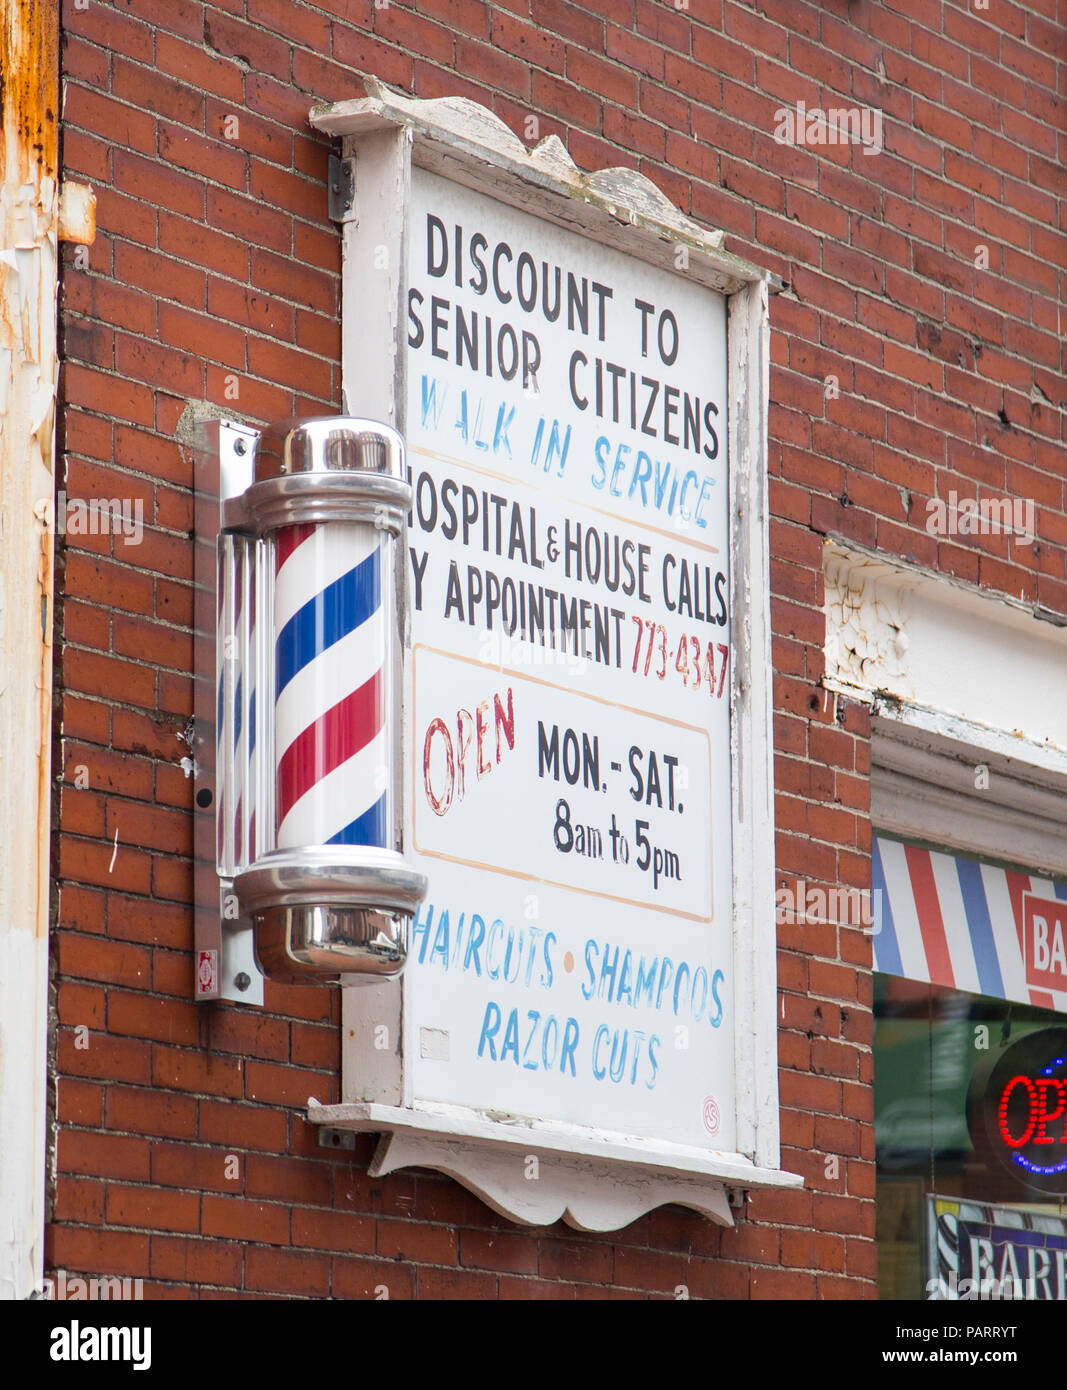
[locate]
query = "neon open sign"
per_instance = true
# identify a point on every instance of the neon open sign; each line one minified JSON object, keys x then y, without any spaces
{"x":1018,"y":1116}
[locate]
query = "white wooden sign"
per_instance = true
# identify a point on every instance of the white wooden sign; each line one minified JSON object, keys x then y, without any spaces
{"x":570,"y":788}
{"x":580,"y":375}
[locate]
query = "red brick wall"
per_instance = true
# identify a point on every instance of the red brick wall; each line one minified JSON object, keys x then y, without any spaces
{"x":215,"y":259}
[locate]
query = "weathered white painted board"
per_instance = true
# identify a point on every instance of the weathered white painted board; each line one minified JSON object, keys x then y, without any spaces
{"x":478,"y":404}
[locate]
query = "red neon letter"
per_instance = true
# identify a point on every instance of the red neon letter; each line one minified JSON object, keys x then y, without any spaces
{"x":1002,"y":1112}
{"x":1043,"y":1085}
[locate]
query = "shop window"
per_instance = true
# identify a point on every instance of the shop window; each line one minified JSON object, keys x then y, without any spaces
{"x":970,"y":1083}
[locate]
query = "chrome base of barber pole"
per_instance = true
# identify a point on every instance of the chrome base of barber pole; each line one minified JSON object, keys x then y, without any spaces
{"x":324,"y":912}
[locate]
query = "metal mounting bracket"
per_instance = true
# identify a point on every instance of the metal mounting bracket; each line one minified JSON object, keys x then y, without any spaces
{"x":225,"y":966}
{"x":341,"y":188}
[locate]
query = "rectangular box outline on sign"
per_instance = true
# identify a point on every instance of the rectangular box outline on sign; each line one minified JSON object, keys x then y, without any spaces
{"x":535,"y":878}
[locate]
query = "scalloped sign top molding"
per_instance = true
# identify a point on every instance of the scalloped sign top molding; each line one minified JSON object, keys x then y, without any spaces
{"x":623,"y":192}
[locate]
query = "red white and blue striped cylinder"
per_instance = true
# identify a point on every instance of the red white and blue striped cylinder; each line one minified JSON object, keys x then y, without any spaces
{"x":332,"y":713}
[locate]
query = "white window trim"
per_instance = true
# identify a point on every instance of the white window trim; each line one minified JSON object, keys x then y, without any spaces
{"x":952,"y":763}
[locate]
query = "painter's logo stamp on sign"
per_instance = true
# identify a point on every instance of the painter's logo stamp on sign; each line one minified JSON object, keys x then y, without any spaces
{"x":207,"y":972}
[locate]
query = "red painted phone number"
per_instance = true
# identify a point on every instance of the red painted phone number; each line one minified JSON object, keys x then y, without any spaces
{"x":695,"y":664}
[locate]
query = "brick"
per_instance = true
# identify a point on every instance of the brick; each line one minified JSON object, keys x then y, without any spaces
{"x":164,"y":925}
{"x":277,"y":363}
{"x":449,"y":1284}
{"x":79,"y":1200}
{"x":318,"y":334}
{"x":172,"y":971}
{"x":145,"y":1016}
{"x":95,"y":112}
{"x":809,"y":1092}
{"x":86,"y":957}
{"x":278,"y":1085}
{"x":524,"y":1288}
{"x":649,"y":1270}
{"x":258,"y":401}
{"x":80,"y":1103}
{"x":247,"y":43}
{"x":111,"y":1059}
{"x":137,"y":1110}
{"x":303,"y":25}
{"x":842,"y":1214}
{"x":287,"y":1271}
{"x":201,"y":1169}
{"x":103,"y":1155}
{"x":642,"y":137}
{"x":194,"y":1070}
{"x":812,"y":1250}
{"x":83,"y":155}
{"x":106,"y":771}
{"x":535,"y":46}
{"x":307,"y":1183}
{"x":333,"y":1230}
{"x":569,"y":21}
{"x":363,"y":53}
{"x":159,"y":365}
{"x":83,"y":386}
{"x":198,"y":1262}
{"x":575,"y":1261}
{"x":188,"y":241}
{"x":883,"y":293}
{"x":152,"y":1208}
{"x":442,"y":81}
{"x":781,"y":1284}
{"x":149,"y":735}
{"x":374,"y":1279}
{"x":315,"y":1047}
{"x":572,"y":104}
{"x":234,"y":1218}
{"x":417,"y":1242}
{"x":91,"y":1251}
{"x":149,"y":90}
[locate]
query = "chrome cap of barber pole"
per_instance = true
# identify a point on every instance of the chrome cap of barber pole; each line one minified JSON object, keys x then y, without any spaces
{"x":334,"y":469}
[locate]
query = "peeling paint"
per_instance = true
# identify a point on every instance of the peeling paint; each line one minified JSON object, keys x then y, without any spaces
{"x":77,"y":214}
{"x":29,"y":66}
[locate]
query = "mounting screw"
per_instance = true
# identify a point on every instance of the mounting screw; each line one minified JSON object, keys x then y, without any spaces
{"x":337,"y":1139}
{"x":204,"y":798}
{"x":240,"y":447}
{"x":242,"y":981}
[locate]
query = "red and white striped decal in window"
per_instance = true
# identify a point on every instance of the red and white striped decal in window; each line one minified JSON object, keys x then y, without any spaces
{"x":956,"y":921}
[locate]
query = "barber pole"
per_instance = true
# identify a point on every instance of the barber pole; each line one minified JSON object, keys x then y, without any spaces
{"x":312,"y":791}
{"x":331,"y":720}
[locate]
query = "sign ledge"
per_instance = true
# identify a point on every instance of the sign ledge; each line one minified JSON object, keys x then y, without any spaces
{"x":533,"y":1137}
{"x":537,"y":1175}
